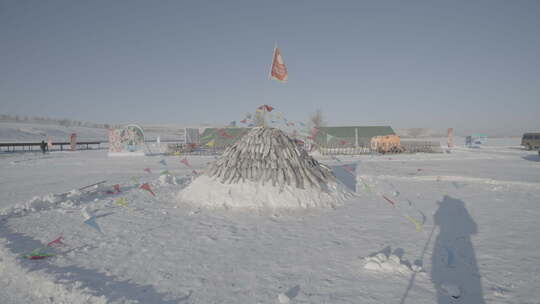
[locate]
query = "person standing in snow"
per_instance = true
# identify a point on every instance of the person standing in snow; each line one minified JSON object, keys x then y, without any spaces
{"x":43,"y":146}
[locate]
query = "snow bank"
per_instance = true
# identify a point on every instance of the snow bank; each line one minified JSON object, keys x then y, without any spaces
{"x":42,"y":285}
{"x":390,"y":263}
{"x":208,"y":192}
{"x":167,"y":179}
{"x":67,"y":200}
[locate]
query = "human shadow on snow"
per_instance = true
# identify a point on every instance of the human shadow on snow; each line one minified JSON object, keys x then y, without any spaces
{"x":98,"y":283}
{"x":346,"y":174}
{"x":532,"y":157}
{"x":454,"y":270}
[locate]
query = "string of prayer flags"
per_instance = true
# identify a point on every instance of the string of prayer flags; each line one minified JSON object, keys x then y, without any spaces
{"x":146,"y":187}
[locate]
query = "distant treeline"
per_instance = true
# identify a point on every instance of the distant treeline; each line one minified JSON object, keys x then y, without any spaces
{"x":53,"y":121}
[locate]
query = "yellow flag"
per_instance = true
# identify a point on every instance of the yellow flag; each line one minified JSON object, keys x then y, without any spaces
{"x":122,"y":202}
{"x":211,"y":143}
{"x":415,"y":222}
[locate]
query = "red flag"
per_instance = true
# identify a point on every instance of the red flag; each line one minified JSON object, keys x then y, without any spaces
{"x":57,"y":241}
{"x":243,"y":121}
{"x":146,"y":187}
{"x":343,"y":142}
{"x":185,"y":161}
{"x":224,"y":134}
{"x":267,"y":108}
{"x":349,"y":169}
{"x":279,"y":70}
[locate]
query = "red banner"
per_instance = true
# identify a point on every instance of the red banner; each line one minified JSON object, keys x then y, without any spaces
{"x":73,"y":141}
{"x":279,"y":70}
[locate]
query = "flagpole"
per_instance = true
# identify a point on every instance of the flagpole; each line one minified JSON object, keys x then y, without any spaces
{"x":269,"y":78}
{"x":272,"y":62}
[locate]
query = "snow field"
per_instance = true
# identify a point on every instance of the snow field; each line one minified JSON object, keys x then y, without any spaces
{"x":155,"y":250}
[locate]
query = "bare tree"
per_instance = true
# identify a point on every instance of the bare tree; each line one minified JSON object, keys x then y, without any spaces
{"x":316,"y":120}
{"x":416,"y":132}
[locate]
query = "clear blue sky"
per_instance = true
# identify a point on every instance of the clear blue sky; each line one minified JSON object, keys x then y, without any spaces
{"x":471,"y":65}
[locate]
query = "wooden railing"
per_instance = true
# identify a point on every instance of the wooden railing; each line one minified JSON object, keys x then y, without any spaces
{"x":29,"y":146}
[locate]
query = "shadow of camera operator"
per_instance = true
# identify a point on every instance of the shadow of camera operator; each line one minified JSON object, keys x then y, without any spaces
{"x":454,"y":271}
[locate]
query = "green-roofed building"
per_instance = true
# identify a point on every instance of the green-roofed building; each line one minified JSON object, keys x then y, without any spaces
{"x":221,"y":137}
{"x":350,"y":135}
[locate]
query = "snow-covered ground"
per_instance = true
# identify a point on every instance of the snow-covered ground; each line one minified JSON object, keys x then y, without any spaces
{"x":457,"y":227}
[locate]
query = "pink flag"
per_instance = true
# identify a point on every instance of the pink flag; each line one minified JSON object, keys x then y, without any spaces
{"x":117,"y":188}
{"x":148,"y":170}
{"x":146,"y":187}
